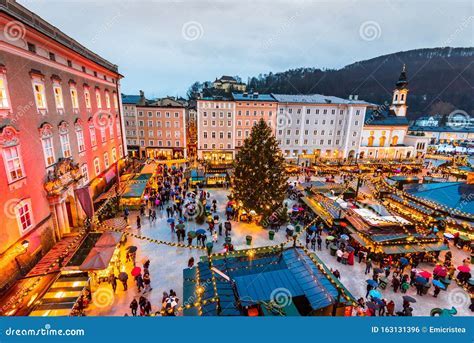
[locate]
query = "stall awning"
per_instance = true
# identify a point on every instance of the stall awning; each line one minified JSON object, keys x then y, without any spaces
{"x":358,"y":239}
{"x":61,"y":296}
{"x":413,"y":248}
{"x":98,"y":259}
{"x":109,"y":239}
{"x":317,"y":209}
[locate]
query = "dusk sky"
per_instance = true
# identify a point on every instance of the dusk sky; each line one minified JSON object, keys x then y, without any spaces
{"x":162,"y":47}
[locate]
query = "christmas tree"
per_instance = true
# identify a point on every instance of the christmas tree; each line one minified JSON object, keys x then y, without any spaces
{"x":260,"y":182}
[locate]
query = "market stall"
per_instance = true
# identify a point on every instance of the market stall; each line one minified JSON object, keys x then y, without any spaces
{"x":61,"y":298}
{"x":134,"y":191}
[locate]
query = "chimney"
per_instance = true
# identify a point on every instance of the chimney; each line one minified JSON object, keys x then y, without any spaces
{"x":255,"y":94}
{"x":246,"y":94}
{"x":142,"y":94}
{"x":350,"y":97}
{"x":356,"y":97}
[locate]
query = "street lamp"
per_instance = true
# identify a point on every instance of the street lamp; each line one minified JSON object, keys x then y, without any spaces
{"x":25,"y":244}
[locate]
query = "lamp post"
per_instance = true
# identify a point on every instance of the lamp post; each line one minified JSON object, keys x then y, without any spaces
{"x":25,"y":244}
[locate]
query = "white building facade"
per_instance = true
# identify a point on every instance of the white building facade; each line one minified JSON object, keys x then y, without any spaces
{"x":318,"y":125}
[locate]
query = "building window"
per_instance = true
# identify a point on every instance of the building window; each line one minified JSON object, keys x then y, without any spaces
{"x":24,"y":215}
{"x":114,"y":155}
{"x":48,"y":150}
{"x":65,"y":145}
{"x":103,"y":136}
{"x":107,"y":100}
{"x":40,"y":97}
{"x":85,"y":174}
{"x":93,"y":135}
{"x":98,"y":99}
{"x":58,"y":96}
{"x":13,"y":163}
{"x":87,"y":97}
{"x":97,"y":166}
{"x":74,"y":100}
{"x":80,"y":140}
{"x":3,"y":92}
{"x":106,"y":160}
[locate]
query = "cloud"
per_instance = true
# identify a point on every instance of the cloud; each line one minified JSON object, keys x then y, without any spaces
{"x":147,"y":39}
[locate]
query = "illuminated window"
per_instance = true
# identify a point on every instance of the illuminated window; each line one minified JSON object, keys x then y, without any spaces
{"x":87,"y":97}
{"x":13,"y":163}
{"x":24,"y":215}
{"x":120,"y":151}
{"x":65,"y":145}
{"x":107,"y":99}
{"x":370,"y":141}
{"x":74,"y":100}
{"x":85,"y":174}
{"x":48,"y":150}
{"x":3,"y":92}
{"x":98,"y":99}
{"x":394,"y":140}
{"x":93,"y":135}
{"x":106,"y":160}
{"x":114,"y":155}
{"x":58,"y":96}
{"x":40,"y":97}
{"x":97,"y":166}
{"x":80,"y":140}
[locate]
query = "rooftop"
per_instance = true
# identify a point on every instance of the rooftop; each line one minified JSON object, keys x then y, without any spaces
{"x":252,"y":97}
{"x":384,"y":118}
{"x":445,"y":128}
{"x":454,"y":195}
{"x":130,"y":99}
{"x":310,"y":284}
{"x":316,"y":99}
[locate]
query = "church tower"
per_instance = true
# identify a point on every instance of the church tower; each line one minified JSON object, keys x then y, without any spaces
{"x":399,"y":100}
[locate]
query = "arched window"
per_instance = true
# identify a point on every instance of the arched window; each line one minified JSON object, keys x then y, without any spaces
{"x":394,"y":140}
{"x":382,"y":141}
{"x":370,"y":141}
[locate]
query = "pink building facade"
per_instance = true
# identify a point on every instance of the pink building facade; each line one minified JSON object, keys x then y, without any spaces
{"x":60,"y":131}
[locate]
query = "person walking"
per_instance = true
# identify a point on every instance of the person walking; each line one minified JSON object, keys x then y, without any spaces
{"x":139,"y":223}
{"x":313,"y":243}
{"x":147,"y":282}
{"x":134,"y":307}
{"x":139,"y":282}
{"x":390,"y":308}
{"x":320,"y":241}
{"x":125,"y":282}
{"x":395,"y":283}
{"x":368,"y":266}
{"x":113,"y":281}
